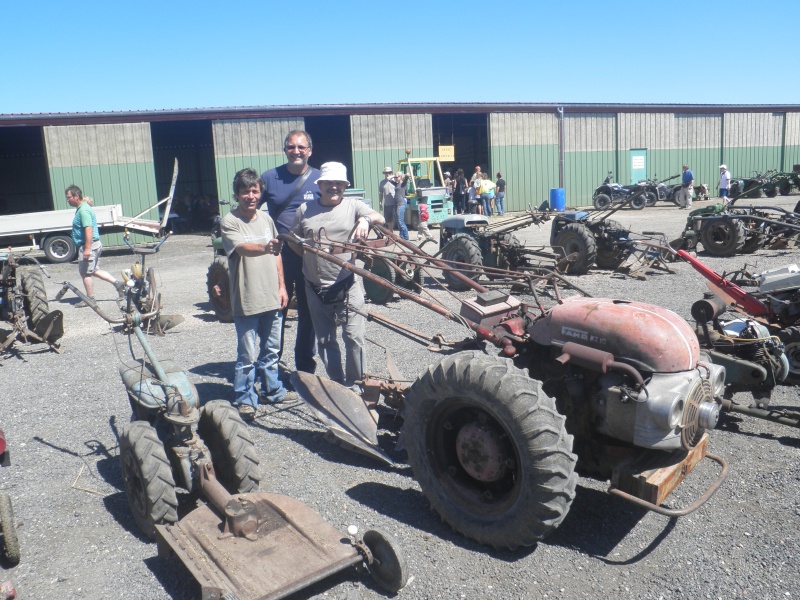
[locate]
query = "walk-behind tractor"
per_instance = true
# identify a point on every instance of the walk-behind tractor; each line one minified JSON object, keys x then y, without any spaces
{"x":242,"y":544}
{"x":592,"y":238}
{"x":24,"y":305}
{"x":618,"y":389}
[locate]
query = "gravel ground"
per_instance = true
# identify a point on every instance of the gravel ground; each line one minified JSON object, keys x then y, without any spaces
{"x":62,"y":414}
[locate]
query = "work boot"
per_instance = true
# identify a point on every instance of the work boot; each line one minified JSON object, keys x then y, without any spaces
{"x":247,"y":412}
{"x":120,"y":288}
{"x":83,"y":303}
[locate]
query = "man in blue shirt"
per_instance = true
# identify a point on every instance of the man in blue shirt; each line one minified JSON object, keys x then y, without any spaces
{"x":285,"y":189}
{"x":86,"y":236}
{"x":687,"y":185}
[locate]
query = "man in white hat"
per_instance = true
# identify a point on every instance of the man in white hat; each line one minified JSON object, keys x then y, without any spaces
{"x":331,"y":288}
{"x":386,"y":197}
{"x":724,"y":184}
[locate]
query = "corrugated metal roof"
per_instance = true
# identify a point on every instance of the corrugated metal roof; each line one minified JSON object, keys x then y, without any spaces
{"x":240,"y":112}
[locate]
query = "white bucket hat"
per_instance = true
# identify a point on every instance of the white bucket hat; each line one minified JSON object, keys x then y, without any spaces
{"x":333,"y":171}
{"x":388,"y":170}
{"x":723,"y":167}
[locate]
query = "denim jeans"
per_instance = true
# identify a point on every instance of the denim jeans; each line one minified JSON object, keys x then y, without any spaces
{"x":401,"y":220}
{"x":487,"y":206}
{"x":500,"y":203}
{"x":305,"y":340}
{"x":258,"y":340}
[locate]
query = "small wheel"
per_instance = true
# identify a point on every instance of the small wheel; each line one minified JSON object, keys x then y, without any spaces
{"x":651,"y":198}
{"x":771,"y":191}
{"x":576,"y":238}
{"x":377,"y":293}
{"x":463,"y":248}
{"x":59,"y":248}
{"x":752,"y":190}
{"x":723,"y":237}
{"x":389,"y":568}
{"x":791,"y":342}
{"x":601,"y":201}
{"x":9,"y":527}
{"x":233,"y":453}
{"x":149,"y":484}
{"x":36,"y":305}
{"x":150,"y":302}
{"x":638,"y":202}
{"x":785,"y":188}
{"x":219,"y":295}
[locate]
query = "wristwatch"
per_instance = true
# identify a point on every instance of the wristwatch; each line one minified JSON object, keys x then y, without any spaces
{"x":369,"y":220}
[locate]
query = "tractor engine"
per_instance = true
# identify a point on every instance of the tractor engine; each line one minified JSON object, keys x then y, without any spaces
{"x":782,"y":289}
{"x":641,"y":374}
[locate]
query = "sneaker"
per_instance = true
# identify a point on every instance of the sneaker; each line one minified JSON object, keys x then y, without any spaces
{"x":247,"y":412}
{"x":120,"y":288}
{"x":83,"y":303}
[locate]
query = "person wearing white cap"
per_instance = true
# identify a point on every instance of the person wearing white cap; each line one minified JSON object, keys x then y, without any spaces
{"x":330,"y":288}
{"x":724,"y":184}
{"x":386,"y":197}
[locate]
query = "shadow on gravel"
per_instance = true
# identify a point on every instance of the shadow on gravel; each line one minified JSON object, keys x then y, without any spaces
{"x":208,"y":315}
{"x":174,"y":577}
{"x":412,"y":508}
{"x":733,"y":424}
{"x":596,"y":524}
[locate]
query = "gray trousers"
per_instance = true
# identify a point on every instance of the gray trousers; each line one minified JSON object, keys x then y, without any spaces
{"x":685,"y":196}
{"x":325,"y":318}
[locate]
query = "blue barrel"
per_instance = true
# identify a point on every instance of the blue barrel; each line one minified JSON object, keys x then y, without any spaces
{"x":558,"y":199}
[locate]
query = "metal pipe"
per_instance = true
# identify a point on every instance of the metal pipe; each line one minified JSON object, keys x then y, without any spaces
{"x":790,"y":418}
{"x":560,"y":111}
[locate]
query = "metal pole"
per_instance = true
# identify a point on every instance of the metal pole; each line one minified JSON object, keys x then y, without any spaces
{"x":560,"y":111}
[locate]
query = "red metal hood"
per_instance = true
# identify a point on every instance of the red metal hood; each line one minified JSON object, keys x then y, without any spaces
{"x":649,"y":337}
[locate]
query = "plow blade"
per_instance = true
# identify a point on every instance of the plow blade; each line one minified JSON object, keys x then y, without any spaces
{"x":342,"y":412}
{"x":295,"y":547}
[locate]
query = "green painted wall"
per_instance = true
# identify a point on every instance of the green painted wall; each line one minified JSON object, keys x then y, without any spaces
{"x":583,"y":172}
{"x":530,"y":171}
{"x":228,"y":166}
{"x":368,"y":167}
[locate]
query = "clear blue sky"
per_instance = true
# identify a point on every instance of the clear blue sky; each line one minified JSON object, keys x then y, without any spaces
{"x":100,"y":56}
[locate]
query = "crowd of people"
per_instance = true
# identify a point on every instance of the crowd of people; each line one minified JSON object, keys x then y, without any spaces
{"x":478,"y":194}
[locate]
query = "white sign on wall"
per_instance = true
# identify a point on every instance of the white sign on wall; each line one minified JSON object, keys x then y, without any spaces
{"x":637,"y":162}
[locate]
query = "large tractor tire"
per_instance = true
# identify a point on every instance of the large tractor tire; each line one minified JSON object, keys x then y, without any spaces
{"x":576,"y":238}
{"x":35,"y":303}
{"x":489,"y":450}
{"x":791,"y":342}
{"x":601,"y":201}
{"x":233,"y":453}
{"x":9,"y":528}
{"x":610,"y":258}
{"x":375,"y":292}
{"x":59,"y":248}
{"x":463,"y":248}
{"x":219,"y":293}
{"x":723,"y":237}
{"x":149,"y":484}
{"x":785,"y":188}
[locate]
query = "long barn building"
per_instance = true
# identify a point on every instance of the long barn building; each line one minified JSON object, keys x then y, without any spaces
{"x":126,"y":157}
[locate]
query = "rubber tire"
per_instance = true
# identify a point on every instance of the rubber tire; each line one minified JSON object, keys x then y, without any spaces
{"x":650,"y":198}
{"x":752,"y":193}
{"x":575,"y":237}
{"x":791,"y":341}
{"x":785,"y":188}
{"x":217,"y":276}
{"x":375,"y":292}
{"x":638,"y":203}
{"x":771,"y":191}
{"x":35,"y":302}
{"x":233,"y":453}
{"x":532,"y":499}
{"x":601,"y":201}
{"x":9,"y":528}
{"x":730,"y":230}
{"x":59,"y":248}
{"x":465,"y":249}
{"x":391,"y":574}
{"x":149,"y":484}
{"x":753,"y":243}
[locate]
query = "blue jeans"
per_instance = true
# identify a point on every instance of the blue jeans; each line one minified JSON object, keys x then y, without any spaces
{"x":500,"y":203}
{"x":305,"y":340}
{"x":487,"y":206}
{"x":258,"y":359}
{"x":401,"y":220}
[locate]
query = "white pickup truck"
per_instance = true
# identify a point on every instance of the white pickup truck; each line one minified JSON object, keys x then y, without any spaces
{"x":51,"y":230}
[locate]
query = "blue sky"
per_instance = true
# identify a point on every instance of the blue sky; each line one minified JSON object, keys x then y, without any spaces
{"x":102,"y":56}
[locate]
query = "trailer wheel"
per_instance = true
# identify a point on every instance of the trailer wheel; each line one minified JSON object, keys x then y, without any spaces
{"x":490,"y":450}
{"x":377,"y":293}
{"x":463,"y":248}
{"x":9,"y":528}
{"x":35,"y":303}
{"x":576,"y":238}
{"x":723,"y":237}
{"x":219,"y":294}
{"x":601,"y":201}
{"x":59,"y":248}
{"x":233,"y":453}
{"x":149,"y":484}
{"x":791,"y":342}
{"x":785,"y":188}
{"x":389,"y":568}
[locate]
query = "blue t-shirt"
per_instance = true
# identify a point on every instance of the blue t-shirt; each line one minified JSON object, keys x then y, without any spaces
{"x":688,"y":176}
{"x":84,"y":217}
{"x":279,"y":183}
